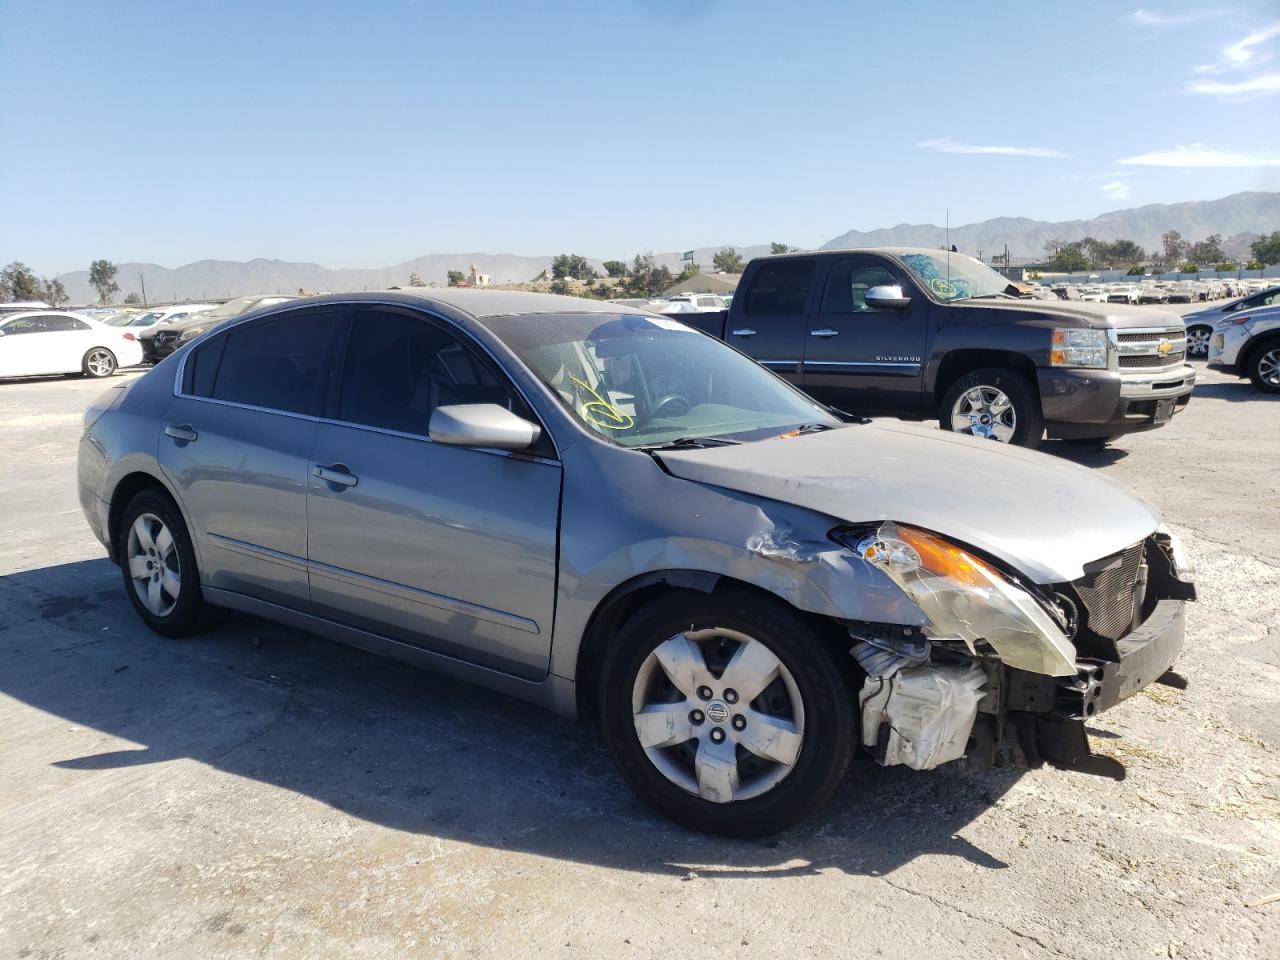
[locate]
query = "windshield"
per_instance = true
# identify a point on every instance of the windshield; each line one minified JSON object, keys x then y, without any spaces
{"x":231,"y":308}
{"x":128,"y":319}
{"x":953,"y":276}
{"x":649,"y":381}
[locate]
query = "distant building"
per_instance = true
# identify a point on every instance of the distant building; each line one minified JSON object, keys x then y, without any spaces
{"x":477,"y":279}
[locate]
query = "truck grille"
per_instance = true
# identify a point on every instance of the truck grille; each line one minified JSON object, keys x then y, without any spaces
{"x":1151,"y":360}
{"x":1109,"y":595}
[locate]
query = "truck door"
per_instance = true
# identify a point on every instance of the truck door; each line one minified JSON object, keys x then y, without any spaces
{"x":771,"y":325}
{"x":861,"y":358}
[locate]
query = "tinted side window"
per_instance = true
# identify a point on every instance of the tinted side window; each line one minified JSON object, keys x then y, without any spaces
{"x":275,"y":363}
{"x":400,"y":367}
{"x":779,"y":289}
{"x":848,"y":283}
{"x":24,"y":325}
{"x":202,"y":367}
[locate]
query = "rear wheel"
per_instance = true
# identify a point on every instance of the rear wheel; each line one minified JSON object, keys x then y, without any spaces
{"x":1198,"y":341}
{"x":1264,"y":367}
{"x":993,"y":403}
{"x":98,"y":362}
{"x":159,"y":567}
{"x":727,"y":713}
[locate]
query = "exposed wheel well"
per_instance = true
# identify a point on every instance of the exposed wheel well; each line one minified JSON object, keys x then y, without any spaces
{"x":625,"y":599}
{"x":959,"y":362}
{"x":128,"y":488}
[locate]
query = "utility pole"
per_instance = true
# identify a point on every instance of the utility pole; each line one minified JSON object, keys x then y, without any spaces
{"x":144,"y":289}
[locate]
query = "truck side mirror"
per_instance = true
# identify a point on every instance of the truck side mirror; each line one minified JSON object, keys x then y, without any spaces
{"x":887,"y":298}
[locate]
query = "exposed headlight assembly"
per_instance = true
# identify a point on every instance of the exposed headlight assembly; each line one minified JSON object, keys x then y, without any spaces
{"x":191,"y":334}
{"x":1073,"y":347}
{"x":967,"y":598}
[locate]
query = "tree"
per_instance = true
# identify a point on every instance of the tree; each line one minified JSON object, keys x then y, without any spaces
{"x":18,"y":283}
{"x":54,"y":293}
{"x":102,"y":276}
{"x":132,"y":299}
{"x":776,"y":248}
{"x":456,"y":277}
{"x":645,"y":278}
{"x":1225,"y":266}
{"x":615,"y":268}
{"x":1266,"y":249}
{"x":728,"y":261}
{"x":1175,"y":248}
{"x":688,"y":273}
{"x":1070,"y":257}
{"x":570,"y":266}
{"x":1208,"y":250}
{"x":415,"y":280}
{"x":1125,"y":251}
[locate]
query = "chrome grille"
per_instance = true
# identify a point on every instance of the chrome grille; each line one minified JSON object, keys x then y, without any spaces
{"x":1108,"y":594}
{"x":1151,"y":360}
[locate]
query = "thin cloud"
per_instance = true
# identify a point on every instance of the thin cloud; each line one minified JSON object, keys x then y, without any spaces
{"x":1116,"y":190}
{"x":1198,"y":155}
{"x":1262,"y":84}
{"x":1154,"y":18}
{"x":955,"y":146}
{"x":1241,"y":52}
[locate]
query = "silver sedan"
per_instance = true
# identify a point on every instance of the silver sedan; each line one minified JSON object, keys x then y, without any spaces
{"x":608,"y":513}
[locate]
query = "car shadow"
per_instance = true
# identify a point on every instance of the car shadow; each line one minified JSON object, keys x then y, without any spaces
{"x":1239,"y":392}
{"x":1086,"y":456}
{"x":413,"y":751}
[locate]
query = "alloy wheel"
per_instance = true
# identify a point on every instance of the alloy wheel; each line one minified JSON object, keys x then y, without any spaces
{"x":1269,"y":367}
{"x":986,"y":412}
{"x":100,"y":362}
{"x":718,"y":714}
{"x":1198,"y":342}
{"x":154,"y":567}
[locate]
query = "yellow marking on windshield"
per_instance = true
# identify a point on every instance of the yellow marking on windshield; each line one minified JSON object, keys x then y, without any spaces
{"x":601,"y":412}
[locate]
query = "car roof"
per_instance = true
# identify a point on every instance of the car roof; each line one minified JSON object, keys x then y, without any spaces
{"x":478,"y":304}
{"x":891,"y":251}
{"x":5,"y":318}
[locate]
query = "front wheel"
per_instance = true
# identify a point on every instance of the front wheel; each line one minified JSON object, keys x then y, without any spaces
{"x":993,"y":404}
{"x":727,"y":713}
{"x":1264,"y":367}
{"x":98,"y":362}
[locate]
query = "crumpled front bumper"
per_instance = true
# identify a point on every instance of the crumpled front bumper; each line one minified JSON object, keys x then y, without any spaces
{"x":1029,"y":719}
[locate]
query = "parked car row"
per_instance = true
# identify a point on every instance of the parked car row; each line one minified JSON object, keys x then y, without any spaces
{"x":1202,"y":323}
{"x":1151,"y":291}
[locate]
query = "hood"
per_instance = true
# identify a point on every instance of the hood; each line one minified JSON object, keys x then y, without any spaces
{"x":1040,"y":515}
{"x":1094,"y":314}
{"x":199,"y":320}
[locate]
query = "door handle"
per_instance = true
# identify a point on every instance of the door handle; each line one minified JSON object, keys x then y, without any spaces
{"x":744,"y":332}
{"x":824,"y":332}
{"x":180,"y":431}
{"x":336,"y":473}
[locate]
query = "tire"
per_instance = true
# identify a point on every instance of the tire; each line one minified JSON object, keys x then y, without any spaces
{"x":808,"y":700}
{"x":177,"y":607}
{"x":1264,"y":366}
{"x":98,"y":362}
{"x":1198,"y":336}
{"x":1020,"y":423}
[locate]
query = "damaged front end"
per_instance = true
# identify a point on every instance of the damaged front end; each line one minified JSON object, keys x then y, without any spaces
{"x":1007,"y":672}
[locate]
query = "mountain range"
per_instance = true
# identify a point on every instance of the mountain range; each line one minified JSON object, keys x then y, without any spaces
{"x":1239,"y":218}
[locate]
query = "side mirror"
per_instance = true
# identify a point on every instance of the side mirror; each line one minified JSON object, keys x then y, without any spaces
{"x":482,"y":425}
{"x":887,"y":298}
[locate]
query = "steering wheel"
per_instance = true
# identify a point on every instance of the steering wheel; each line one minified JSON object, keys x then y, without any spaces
{"x":669,"y":400}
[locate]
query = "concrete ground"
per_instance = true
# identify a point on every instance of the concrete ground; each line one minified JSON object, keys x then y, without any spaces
{"x":257,"y":792}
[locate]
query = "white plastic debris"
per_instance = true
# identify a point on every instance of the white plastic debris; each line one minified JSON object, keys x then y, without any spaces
{"x":929,"y":713}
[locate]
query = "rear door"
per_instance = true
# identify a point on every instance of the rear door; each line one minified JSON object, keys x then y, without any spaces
{"x":771,"y":325}
{"x":20,"y":347}
{"x":448,"y":548}
{"x":861,"y":358}
{"x":236,"y":444}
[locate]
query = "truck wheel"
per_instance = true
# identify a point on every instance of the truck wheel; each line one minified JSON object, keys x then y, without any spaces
{"x":995,"y":404}
{"x":1264,"y":367}
{"x":727,"y":713}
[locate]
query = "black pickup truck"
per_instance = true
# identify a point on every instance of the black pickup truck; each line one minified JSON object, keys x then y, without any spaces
{"x":923,"y":334}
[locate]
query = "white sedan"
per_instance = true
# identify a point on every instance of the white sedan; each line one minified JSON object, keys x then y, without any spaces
{"x":48,"y":342}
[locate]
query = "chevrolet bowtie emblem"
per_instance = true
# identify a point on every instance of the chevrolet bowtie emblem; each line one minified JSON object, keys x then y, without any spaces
{"x":1165,"y":347}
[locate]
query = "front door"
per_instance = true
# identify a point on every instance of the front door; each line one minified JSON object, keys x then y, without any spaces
{"x":448,"y":548}
{"x":236,"y":444}
{"x":770,"y":327}
{"x":860,"y":358}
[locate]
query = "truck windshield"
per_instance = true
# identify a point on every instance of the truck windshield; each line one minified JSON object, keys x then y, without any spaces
{"x":954,"y":276}
{"x":643,"y":381}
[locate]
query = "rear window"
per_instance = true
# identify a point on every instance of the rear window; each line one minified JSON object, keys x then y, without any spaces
{"x":779,"y":289}
{"x":273,"y":364}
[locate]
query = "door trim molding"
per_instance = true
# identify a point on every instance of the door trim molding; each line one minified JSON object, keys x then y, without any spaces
{"x":296,"y":564}
{"x":866,"y":366}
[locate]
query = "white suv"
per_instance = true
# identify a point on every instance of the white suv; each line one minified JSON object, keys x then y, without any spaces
{"x":1248,"y":344}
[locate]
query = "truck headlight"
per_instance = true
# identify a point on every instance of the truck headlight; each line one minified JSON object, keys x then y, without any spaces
{"x":965,"y":597}
{"x":1073,"y":347}
{"x":188,"y":335}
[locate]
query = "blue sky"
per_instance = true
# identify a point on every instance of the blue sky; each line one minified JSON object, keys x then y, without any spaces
{"x":364,"y":134}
